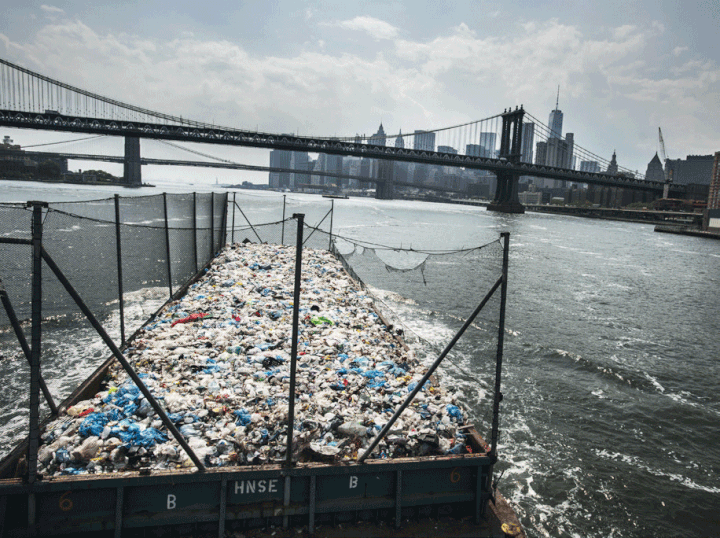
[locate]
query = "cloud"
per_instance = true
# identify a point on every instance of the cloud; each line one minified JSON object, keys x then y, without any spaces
{"x":457,"y":76}
{"x":51,"y":9}
{"x":677,"y":51}
{"x":376,"y":28}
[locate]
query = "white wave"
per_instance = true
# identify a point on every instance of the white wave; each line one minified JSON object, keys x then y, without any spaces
{"x":655,"y":382}
{"x":636,"y":462}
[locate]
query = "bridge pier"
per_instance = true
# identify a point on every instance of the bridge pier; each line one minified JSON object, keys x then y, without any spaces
{"x":385,"y":189}
{"x":131,"y":167}
{"x":506,"y":194}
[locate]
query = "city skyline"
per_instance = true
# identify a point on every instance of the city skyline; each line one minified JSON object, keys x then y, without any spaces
{"x":332,"y":69}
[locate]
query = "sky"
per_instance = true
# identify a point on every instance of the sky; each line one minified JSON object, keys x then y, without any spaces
{"x":327,"y":68}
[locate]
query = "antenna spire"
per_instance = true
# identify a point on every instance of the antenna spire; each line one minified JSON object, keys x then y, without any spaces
{"x":557,"y":100}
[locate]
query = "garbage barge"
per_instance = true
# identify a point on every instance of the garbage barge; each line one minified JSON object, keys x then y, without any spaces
{"x":217,"y":356}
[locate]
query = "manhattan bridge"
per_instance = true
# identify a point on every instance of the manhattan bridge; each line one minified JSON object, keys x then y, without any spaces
{"x":493,"y":145}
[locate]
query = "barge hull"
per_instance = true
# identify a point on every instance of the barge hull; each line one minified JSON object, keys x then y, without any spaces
{"x":305,"y":495}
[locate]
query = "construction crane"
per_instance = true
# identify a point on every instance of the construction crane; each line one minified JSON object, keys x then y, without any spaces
{"x":662,"y":145}
{"x":668,"y":178}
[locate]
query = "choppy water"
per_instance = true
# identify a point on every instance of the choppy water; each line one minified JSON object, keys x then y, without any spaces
{"x":611,"y":410}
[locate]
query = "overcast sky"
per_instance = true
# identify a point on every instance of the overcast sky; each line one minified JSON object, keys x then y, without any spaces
{"x":339,"y":68}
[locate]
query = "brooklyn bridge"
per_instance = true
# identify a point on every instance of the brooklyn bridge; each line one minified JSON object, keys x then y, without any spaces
{"x":495,"y":145}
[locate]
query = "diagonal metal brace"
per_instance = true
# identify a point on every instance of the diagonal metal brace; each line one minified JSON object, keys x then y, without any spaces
{"x":125,"y":364}
{"x":23,"y":343}
{"x":430,"y":372}
{"x":248,"y":221}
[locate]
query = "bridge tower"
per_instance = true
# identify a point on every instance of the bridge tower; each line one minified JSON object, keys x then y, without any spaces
{"x":506,"y":193}
{"x":384,"y":189}
{"x":131,"y":167}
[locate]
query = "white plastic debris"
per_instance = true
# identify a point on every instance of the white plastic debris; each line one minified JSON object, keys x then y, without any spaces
{"x":218,"y":361}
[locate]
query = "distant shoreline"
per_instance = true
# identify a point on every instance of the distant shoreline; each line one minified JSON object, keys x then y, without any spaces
{"x":93,"y":183}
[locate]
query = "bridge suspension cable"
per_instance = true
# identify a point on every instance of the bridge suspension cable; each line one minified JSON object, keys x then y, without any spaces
{"x":64,"y":141}
{"x":27,"y":91}
{"x":543,"y":133}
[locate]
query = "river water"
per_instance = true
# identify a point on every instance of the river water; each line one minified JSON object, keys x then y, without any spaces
{"x":609,"y":423}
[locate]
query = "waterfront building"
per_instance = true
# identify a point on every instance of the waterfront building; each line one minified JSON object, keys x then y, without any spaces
{"x":280,"y":158}
{"x":400,"y":141}
{"x":711,"y":218}
{"x":333,"y":165}
{"x":714,"y":196}
{"x":655,"y":170}
{"x":299,"y":161}
{"x":695,"y":169}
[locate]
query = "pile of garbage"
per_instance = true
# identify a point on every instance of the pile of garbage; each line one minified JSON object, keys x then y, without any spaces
{"x":218,"y":361}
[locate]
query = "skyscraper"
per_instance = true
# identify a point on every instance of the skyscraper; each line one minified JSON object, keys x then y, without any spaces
{"x":556,"y":119}
{"x":280,"y":159}
{"x":379,"y":138}
{"x":613,"y":166}
{"x":400,"y":141}
{"x":424,"y":141}
{"x":528,"y":137}
{"x":655,"y":171}
{"x":487,"y":141}
{"x":590,"y":166}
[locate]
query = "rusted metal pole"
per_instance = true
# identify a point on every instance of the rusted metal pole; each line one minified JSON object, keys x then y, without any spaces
{"x":167,"y":245}
{"x":232,"y":240}
{"x":195,"y":256}
{"x":295,"y":335}
{"x":332,"y":214}
{"x":212,"y":226}
{"x":282,"y":235}
{"x":119,"y":269}
{"x":223,"y":226}
{"x":35,"y":352}
{"x":501,"y":338}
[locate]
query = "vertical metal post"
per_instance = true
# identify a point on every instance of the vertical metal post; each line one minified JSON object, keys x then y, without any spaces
{"x":286,"y":500}
{"x":119,"y":269}
{"x":501,"y":337}
{"x":398,"y":499}
{"x":233,"y":219}
{"x":223,"y":506}
{"x":212,"y":226}
{"x":167,"y":244}
{"x":332,"y":213}
{"x":223,"y":234}
{"x":34,"y":431}
{"x":119,"y":511}
{"x":34,"y":427}
{"x":408,"y":400}
{"x":295,"y":334}
{"x":195,"y":231}
{"x":311,"y":519}
{"x":282,"y":236}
